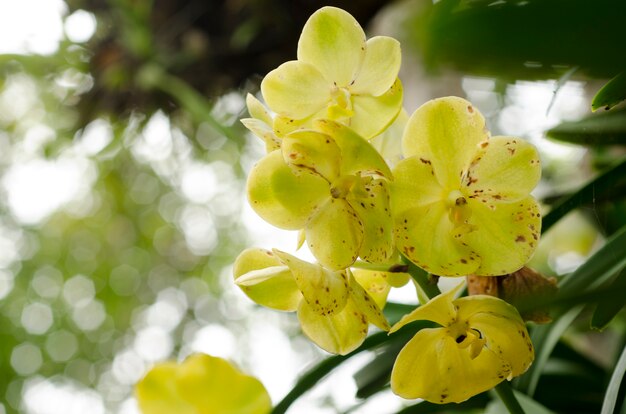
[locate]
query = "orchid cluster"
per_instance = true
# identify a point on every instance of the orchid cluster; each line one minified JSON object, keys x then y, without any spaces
{"x":456,"y":202}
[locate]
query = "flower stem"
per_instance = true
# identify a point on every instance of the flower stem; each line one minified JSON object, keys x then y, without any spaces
{"x":423,"y":280}
{"x":505,"y":392}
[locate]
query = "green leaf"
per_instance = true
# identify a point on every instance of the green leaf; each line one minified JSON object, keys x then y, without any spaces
{"x":602,"y":265}
{"x":612,"y":93}
{"x":545,"y":338}
{"x":603,"y":184}
{"x":475,"y":403}
{"x":595,"y":130}
{"x":528,"y":404}
{"x":614,"y":384}
{"x":607,"y":309}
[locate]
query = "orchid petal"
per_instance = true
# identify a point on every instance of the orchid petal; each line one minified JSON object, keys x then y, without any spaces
{"x":339,"y":333}
{"x":334,"y":234}
{"x":281,"y":197}
{"x":445,"y":132}
{"x":325,"y":291}
{"x":372,"y":114}
{"x":380,"y":67}
{"x":505,"y":236}
{"x":313,"y":151}
{"x":334,"y":42}
{"x":505,"y":168}
{"x":366,"y":304}
{"x":432,"y":366}
{"x":295,"y":89}
{"x":265,"y":280}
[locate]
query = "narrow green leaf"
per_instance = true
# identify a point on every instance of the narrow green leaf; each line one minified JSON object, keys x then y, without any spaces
{"x":473,"y":405}
{"x":508,"y":398}
{"x":607,"y":309}
{"x":528,"y":404}
{"x":595,"y":130}
{"x":600,"y":267}
{"x":599,"y":186}
{"x":612,"y":391}
{"x":612,"y":93}
{"x":545,"y":338}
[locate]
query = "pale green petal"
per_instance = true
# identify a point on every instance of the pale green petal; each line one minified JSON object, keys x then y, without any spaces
{"x":504,"y":168}
{"x":357,"y":155}
{"x":157,"y":392}
{"x":314,"y":151}
{"x":214,"y":386}
{"x":432,"y":366}
{"x":295,"y":90}
{"x":257,"y":110}
{"x":281,"y":197}
{"x":414,"y":185}
{"x":389,"y":142}
{"x":334,"y":42}
{"x":374,"y":210}
{"x":334,"y":234}
{"x":380,"y":67}
{"x":426,"y":236}
{"x":366,"y":304}
{"x":201,"y":384}
{"x":505,"y":235}
{"x":375,"y":283}
{"x":503,"y":328}
{"x":325,"y":291}
{"x":445,"y":132}
{"x":339,"y":333}
{"x":284,"y":125}
{"x":372,"y":114}
{"x":439,"y":309}
{"x":265,"y":280}
{"x":263,"y":131}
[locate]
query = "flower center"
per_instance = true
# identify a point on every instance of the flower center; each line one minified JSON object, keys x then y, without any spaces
{"x":459,"y":211}
{"x":467,"y":338}
{"x":340,"y":105}
{"x":341,"y":187}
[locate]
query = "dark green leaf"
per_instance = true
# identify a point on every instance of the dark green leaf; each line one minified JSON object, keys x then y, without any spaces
{"x":603,"y":129}
{"x":477,"y":402}
{"x":603,"y":184}
{"x":607,"y":309}
{"x":612,"y":391}
{"x":611,"y":94}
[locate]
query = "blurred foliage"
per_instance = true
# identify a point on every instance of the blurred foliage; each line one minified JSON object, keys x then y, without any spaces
{"x":81,"y":282}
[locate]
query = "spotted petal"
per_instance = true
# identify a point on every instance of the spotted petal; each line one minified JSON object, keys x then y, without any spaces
{"x":313,"y":151}
{"x":505,"y":236}
{"x":366,"y":304}
{"x":505,"y":168}
{"x":334,"y":234}
{"x":325,"y":291}
{"x":339,"y":333}
{"x":374,"y":210}
{"x":281,"y":197}
{"x":372,"y":114}
{"x":432,"y":366}
{"x":265,"y":280}
{"x":445,"y":132}
{"x":414,"y":185}
{"x":426,"y":236}
{"x":357,"y":155}
{"x":375,"y":284}
{"x":380,"y":67}
{"x":503,"y":328}
{"x":334,"y":42}
{"x":295,"y":89}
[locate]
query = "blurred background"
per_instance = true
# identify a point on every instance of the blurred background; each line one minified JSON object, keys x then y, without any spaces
{"x":122,"y":169}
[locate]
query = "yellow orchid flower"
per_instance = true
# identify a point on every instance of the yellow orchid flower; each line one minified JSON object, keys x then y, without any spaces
{"x":202,"y":384}
{"x":460,"y":198}
{"x":333,"y":309}
{"x":339,"y":75}
{"x":332,"y":183}
{"x":481,"y":342}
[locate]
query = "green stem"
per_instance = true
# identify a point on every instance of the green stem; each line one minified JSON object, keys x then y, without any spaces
{"x":505,"y":392}
{"x":423,"y":279}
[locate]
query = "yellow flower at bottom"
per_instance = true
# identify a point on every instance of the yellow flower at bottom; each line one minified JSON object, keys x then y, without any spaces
{"x":202,"y":384}
{"x":482,"y":341}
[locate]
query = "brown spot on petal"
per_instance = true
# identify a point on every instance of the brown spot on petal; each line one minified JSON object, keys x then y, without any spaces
{"x":520,"y":239}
